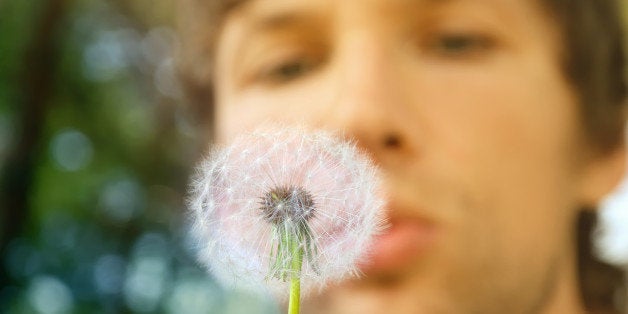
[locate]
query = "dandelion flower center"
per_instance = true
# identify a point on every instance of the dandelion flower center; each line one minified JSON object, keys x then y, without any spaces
{"x":287,"y":203}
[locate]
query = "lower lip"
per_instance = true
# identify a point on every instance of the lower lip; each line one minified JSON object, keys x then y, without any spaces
{"x":399,"y":246}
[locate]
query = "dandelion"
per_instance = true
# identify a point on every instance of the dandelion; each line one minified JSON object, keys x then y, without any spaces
{"x":282,"y":209}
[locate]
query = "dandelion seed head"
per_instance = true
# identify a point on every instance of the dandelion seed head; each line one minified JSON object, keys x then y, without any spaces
{"x":278,"y":175}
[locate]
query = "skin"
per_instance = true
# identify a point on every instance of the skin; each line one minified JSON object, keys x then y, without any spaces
{"x":463,"y":105}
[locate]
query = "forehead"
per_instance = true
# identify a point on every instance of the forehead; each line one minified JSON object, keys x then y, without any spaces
{"x":510,"y":15}
{"x":519,"y":20}
{"x":274,"y":8}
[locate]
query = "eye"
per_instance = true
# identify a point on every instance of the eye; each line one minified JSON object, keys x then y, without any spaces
{"x":460,"y":45}
{"x":288,"y":70}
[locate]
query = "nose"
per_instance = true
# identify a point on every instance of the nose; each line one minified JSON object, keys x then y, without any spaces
{"x":370,"y":104}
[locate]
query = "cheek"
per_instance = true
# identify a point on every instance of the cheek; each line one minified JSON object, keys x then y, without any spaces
{"x":513,"y":129}
{"x":511,"y":138}
{"x":531,"y":143}
{"x":510,"y":149}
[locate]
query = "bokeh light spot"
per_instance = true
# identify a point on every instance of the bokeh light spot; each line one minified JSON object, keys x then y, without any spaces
{"x":145,"y":283}
{"x":240,"y":302}
{"x":48,"y":295}
{"x":107,"y":56}
{"x":122,"y":200}
{"x":109,"y":274}
{"x":71,"y":150}
{"x":22,"y":259}
{"x":151,"y":244}
{"x":193,"y":293}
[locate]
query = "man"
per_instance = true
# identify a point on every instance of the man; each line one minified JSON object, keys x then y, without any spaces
{"x":496,"y":122}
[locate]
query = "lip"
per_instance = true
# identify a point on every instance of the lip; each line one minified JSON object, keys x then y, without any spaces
{"x":399,"y":246}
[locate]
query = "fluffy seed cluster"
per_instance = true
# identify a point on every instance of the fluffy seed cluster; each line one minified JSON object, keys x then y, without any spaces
{"x":284,"y":176}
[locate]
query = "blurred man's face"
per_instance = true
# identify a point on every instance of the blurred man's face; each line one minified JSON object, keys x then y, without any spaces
{"x":462,"y":104}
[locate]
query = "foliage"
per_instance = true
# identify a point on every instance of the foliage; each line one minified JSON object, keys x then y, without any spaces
{"x":104,"y":227}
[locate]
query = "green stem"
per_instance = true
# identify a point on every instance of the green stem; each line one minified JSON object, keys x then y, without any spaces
{"x":295,"y":277}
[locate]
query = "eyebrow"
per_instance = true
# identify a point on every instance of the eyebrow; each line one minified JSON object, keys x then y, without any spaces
{"x":279,"y":19}
{"x":228,"y":5}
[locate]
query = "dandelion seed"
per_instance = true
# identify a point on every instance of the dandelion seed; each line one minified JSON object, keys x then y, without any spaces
{"x":282,"y":203}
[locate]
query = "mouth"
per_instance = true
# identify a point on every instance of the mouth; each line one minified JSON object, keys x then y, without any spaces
{"x":399,"y":246}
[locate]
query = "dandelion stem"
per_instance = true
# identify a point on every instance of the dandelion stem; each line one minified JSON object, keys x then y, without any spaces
{"x":295,"y":276}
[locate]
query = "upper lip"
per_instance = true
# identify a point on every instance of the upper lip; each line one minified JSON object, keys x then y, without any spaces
{"x":395,"y":213}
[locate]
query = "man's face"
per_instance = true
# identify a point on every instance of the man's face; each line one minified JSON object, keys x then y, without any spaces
{"x":463,"y":105}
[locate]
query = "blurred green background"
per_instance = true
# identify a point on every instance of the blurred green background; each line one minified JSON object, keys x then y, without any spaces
{"x":96,"y":146}
{"x":95,"y":149}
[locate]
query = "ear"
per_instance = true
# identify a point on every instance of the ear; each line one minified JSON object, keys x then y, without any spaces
{"x":601,"y":175}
